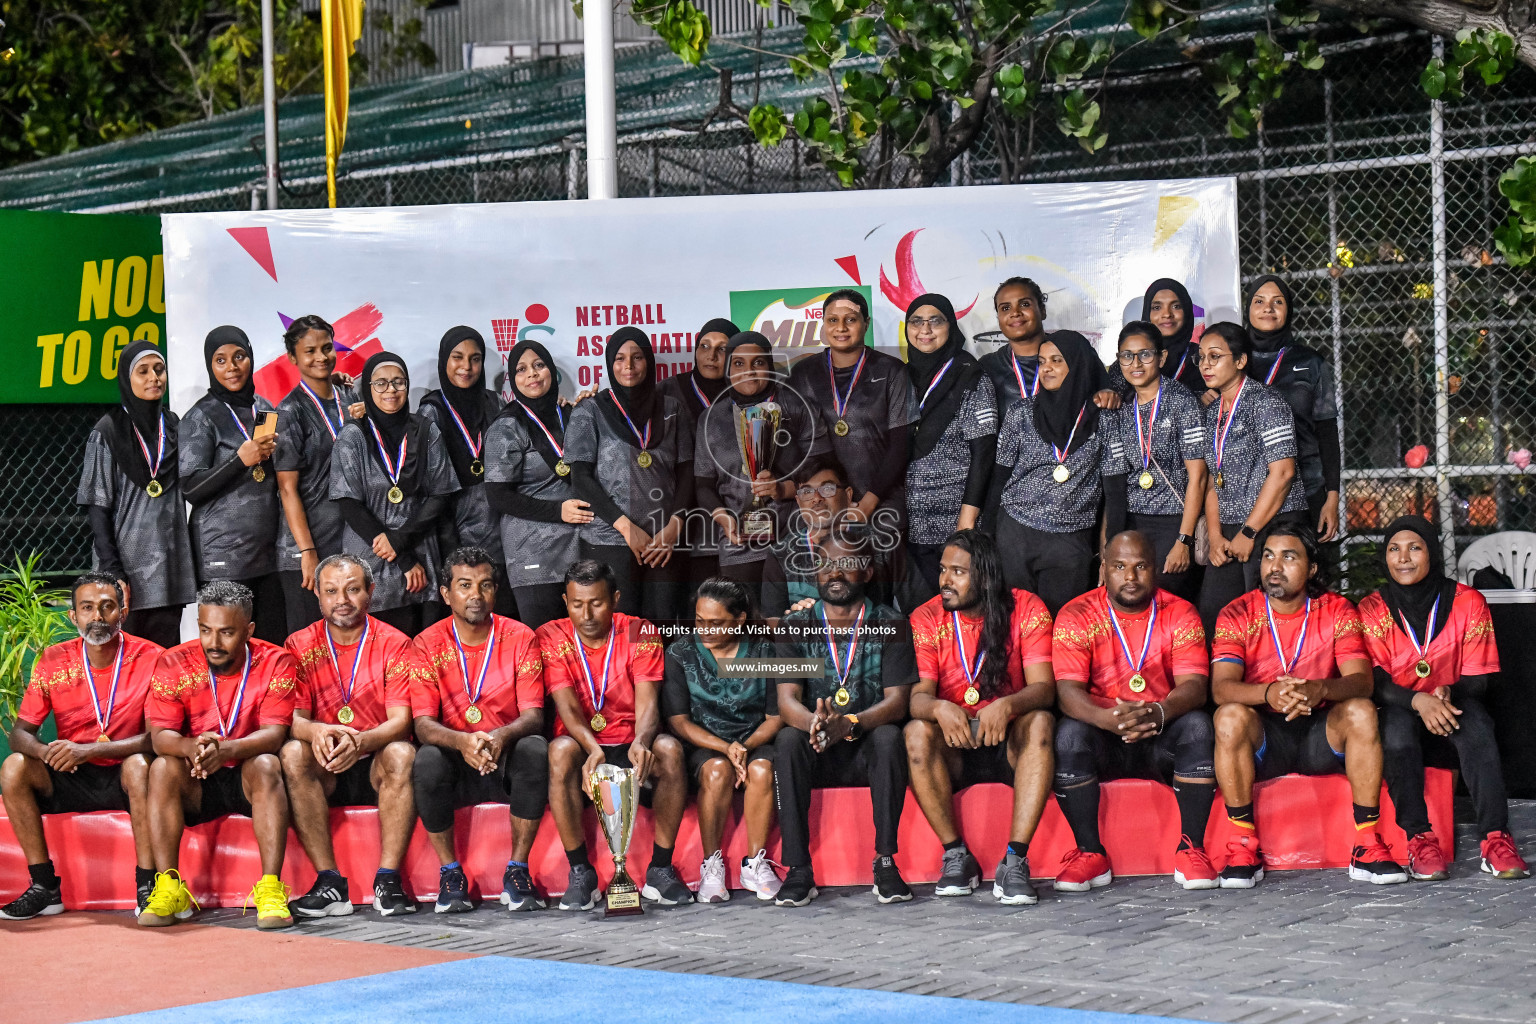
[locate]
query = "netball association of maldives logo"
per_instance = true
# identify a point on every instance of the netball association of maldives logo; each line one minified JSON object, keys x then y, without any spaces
{"x":533,"y":325}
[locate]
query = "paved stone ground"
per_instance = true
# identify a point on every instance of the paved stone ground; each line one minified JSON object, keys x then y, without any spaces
{"x":1306,"y":946}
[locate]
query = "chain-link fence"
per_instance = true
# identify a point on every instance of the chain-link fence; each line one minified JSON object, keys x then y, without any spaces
{"x":39,"y":471}
{"x":1378,"y":205}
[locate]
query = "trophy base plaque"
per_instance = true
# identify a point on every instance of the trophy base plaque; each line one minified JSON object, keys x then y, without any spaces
{"x":757,"y":527}
{"x":623,"y":896}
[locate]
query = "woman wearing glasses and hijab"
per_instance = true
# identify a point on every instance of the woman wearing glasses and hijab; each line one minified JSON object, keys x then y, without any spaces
{"x":391,"y":478}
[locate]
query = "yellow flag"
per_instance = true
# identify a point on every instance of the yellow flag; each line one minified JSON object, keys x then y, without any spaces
{"x":341,"y":24}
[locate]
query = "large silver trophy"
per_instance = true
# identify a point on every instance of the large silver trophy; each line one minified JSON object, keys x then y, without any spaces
{"x":613,"y":795}
{"x":757,"y":434}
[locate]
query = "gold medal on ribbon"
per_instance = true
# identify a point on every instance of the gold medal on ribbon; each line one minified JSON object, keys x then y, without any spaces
{"x":842,"y":697}
{"x":472,"y":715}
{"x":1138,"y":683}
{"x":598,"y":723}
{"x":103,"y":738}
{"x":395,"y":495}
{"x":644,"y":459}
{"x":1061,"y":473}
{"x":840,"y":428}
{"x":477,"y":468}
{"x":1422,"y":669}
{"x":258,"y":474}
{"x":1221,"y":481}
{"x":1145,"y":480}
{"x":561,"y":469}
{"x":153,"y":489}
{"x":345,"y":716}
{"x":972,"y":696}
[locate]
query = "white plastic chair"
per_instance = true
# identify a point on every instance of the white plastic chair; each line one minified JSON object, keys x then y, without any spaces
{"x":1512,"y":552}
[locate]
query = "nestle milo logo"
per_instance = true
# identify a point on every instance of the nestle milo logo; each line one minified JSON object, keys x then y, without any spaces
{"x":788,"y":317}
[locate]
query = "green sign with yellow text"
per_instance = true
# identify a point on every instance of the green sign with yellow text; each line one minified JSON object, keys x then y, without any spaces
{"x":75,"y":289}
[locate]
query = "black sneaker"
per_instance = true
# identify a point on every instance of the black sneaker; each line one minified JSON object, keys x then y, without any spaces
{"x":960,"y":874}
{"x":326,"y":898}
{"x":581,"y":889}
{"x":1011,"y":885}
{"x":453,"y":893}
{"x":663,"y":886}
{"x":517,"y":891}
{"x":37,"y":901}
{"x":799,"y":888}
{"x":142,"y":900}
{"x":889,"y":887}
{"x":389,"y":896}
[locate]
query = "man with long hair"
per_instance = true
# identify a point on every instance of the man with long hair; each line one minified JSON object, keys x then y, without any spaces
{"x":981,"y":709}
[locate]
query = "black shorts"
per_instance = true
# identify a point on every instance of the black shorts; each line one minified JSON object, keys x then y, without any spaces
{"x":984,"y":764}
{"x":699,"y":756}
{"x":354,"y":788}
{"x":223,"y":793}
{"x":90,"y":787}
{"x":1300,"y":746}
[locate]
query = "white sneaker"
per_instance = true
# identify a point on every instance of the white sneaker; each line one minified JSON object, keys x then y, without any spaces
{"x":758,"y":876}
{"x":712,"y":887}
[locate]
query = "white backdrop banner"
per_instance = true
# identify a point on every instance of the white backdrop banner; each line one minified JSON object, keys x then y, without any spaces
{"x":568,"y":274}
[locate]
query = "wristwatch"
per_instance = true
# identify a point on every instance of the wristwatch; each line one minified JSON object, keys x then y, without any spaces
{"x":1186,"y":540}
{"x":855,"y":730}
{"x":1249,"y":532}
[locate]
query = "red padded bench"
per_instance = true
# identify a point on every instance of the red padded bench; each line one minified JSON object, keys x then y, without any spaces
{"x":1304,"y":823}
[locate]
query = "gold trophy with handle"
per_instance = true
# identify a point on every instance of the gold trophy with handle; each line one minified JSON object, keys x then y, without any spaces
{"x":614,"y":797}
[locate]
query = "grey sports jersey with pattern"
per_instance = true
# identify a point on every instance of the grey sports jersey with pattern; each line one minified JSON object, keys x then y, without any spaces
{"x":234,"y":536}
{"x":535,"y":552}
{"x":1178,"y":434}
{"x":305,"y":448}
{"x":473,"y":519}
{"x":1032,"y":495}
{"x":1261,"y":432}
{"x":151,"y":532}
{"x":646,"y":495}
{"x":936,"y":482}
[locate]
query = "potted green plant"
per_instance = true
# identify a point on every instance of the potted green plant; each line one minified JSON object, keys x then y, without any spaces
{"x":32,"y":616}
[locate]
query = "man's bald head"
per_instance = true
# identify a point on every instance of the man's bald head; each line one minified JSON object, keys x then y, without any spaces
{"x":1130,"y":570}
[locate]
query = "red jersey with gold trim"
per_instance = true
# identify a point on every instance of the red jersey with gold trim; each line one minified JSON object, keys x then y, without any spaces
{"x":1465,"y":647}
{"x":58,"y":687}
{"x":1086,"y":648}
{"x":637,"y":655}
{"x":514,"y":680}
{"x":182,"y":697}
{"x":939,"y":658}
{"x":388,"y":671}
{"x":1333,"y":637}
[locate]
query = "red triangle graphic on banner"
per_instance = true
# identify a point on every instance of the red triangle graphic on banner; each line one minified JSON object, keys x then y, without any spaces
{"x":850,"y":265}
{"x":255,"y":242}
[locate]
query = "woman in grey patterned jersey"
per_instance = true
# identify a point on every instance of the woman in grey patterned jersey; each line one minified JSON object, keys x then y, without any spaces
{"x":631,"y":453}
{"x":228,"y":478}
{"x":132,"y":492}
{"x":1251,"y":453}
{"x":954,"y":442}
{"x":391,"y":478}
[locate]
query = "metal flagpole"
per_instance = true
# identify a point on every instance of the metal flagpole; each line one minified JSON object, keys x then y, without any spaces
{"x":1442,"y":321}
{"x":269,"y":101}
{"x":602,"y":115}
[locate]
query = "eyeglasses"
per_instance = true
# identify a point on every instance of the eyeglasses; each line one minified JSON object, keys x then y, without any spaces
{"x":393,"y":384}
{"x":1209,"y":358}
{"x":827,"y":490}
{"x":1143,"y":355}
{"x":917,"y":323}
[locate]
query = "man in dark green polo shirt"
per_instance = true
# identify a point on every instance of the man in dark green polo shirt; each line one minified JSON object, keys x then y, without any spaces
{"x":844,"y":728}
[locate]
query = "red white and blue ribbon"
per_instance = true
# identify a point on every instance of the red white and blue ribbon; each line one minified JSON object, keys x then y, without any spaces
{"x":1220,"y":440}
{"x":1144,"y":442}
{"x":843,"y":670}
{"x":1018,"y":375}
{"x":972,"y":669}
{"x":325,"y":417}
{"x":153,"y":463}
{"x":490,"y":646}
{"x":1429,"y":630}
{"x":357,"y":659}
{"x":1287,"y":665}
{"x":1179,"y":372}
{"x":1275,"y":370}
{"x":923,"y":402}
{"x":703,"y":398}
{"x":234,"y":714}
{"x":840,"y":402}
{"x":644,"y":440}
{"x":238,"y":425}
{"x":391,"y":469}
{"x":1061,"y":453}
{"x":1125,"y":647}
{"x":104,"y":718}
{"x":559,"y":449}
{"x":597,"y":696}
{"x":479,"y":441}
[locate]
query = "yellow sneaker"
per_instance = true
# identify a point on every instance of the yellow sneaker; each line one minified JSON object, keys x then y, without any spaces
{"x":271,"y":898}
{"x":169,"y":902}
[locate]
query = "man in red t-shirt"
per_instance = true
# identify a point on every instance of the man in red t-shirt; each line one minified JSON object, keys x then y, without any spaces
{"x":218,"y":713}
{"x":1131,"y":679}
{"x":479,"y":716}
{"x":981,"y":709}
{"x":351,"y":740}
{"x":94,"y":687}
{"x":1292,"y":679}
{"x":604,"y":671}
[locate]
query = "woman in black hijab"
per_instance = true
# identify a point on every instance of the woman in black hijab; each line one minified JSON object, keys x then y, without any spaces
{"x":954,"y":442}
{"x":1431,"y":640}
{"x":228,"y":477}
{"x":1168,"y":307}
{"x":461,"y":408}
{"x":1305,"y":380}
{"x":391,"y":479}
{"x":528,"y":485}
{"x":132,"y":492}
{"x":631,"y":451}
{"x":1047,"y":488}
